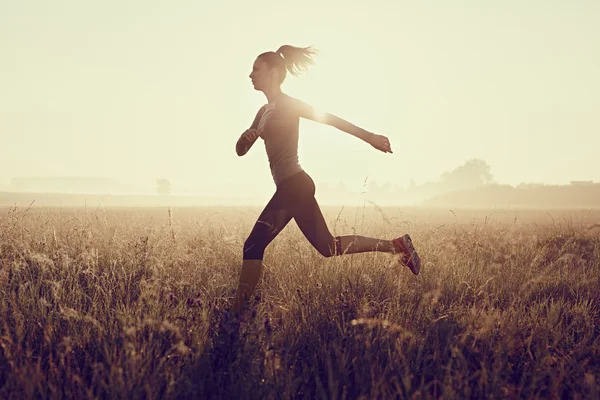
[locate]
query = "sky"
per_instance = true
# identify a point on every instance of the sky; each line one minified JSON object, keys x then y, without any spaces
{"x":139,"y":90}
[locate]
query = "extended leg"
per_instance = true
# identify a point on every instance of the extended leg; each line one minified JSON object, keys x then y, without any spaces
{"x":249,"y":277}
{"x":267,"y":227}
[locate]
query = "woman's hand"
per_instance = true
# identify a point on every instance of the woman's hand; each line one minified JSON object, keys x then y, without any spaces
{"x":246,"y":141}
{"x":381,"y":143}
{"x":250,"y":135}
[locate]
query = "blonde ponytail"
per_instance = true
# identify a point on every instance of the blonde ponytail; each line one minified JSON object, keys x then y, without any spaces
{"x":297,"y":59}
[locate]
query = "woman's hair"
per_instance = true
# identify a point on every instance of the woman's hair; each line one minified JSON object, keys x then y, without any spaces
{"x":290,"y":59}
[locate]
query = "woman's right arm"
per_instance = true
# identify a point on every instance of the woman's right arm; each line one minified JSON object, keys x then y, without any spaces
{"x":244,"y":143}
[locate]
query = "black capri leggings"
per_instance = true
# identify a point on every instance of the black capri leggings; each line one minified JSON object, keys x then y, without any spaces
{"x":294,"y":198}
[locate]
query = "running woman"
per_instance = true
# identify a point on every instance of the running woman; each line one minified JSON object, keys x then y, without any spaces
{"x":277,"y":123}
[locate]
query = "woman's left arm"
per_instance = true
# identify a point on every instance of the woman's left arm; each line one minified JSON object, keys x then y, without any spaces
{"x":304,"y":110}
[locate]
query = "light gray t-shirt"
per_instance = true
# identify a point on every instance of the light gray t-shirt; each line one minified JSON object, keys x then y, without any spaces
{"x":278,"y":128}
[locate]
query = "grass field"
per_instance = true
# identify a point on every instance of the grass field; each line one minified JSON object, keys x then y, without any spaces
{"x":125,"y":303}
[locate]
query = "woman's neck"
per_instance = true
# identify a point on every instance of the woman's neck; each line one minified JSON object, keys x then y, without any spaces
{"x":273,"y":94}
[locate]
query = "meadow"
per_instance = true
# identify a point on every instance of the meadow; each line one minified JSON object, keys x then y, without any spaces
{"x":126,"y":303}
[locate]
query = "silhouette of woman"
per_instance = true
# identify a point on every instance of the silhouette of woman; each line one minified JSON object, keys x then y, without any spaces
{"x":277,"y":123}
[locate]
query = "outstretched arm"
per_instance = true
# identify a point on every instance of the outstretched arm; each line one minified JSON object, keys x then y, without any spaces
{"x":248,"y":138}
{"x":306,"y":111}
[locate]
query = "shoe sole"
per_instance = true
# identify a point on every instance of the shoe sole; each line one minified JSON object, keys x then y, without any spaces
{"x":414,"y":261}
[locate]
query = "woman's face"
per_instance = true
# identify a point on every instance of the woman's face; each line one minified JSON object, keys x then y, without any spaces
{"x":263,"y":76}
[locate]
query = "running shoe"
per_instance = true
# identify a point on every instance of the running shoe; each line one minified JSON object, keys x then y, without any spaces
{"x":408,"y":255}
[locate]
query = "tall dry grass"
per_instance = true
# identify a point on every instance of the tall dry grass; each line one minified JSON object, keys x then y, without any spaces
{"x":126,"y":304}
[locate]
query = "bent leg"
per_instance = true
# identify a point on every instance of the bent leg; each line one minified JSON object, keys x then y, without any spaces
{"x":311,"y":222}
{"x":362,"y":244}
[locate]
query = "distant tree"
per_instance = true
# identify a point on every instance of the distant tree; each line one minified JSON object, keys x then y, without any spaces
{"x":163,"y":186}
{"x":473,"y":173}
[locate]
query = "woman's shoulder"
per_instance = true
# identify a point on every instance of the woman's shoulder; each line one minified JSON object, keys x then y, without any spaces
{"x":286,"y":102}
{"x":261,"y":110}
{"x":285,"y":99}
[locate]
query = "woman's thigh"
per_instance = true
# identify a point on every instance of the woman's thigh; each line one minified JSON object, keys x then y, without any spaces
{"x":274,"y":217}
{"x":311,"y":222}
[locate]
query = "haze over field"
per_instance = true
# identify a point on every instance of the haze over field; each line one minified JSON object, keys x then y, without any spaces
{"x":139,"y":90}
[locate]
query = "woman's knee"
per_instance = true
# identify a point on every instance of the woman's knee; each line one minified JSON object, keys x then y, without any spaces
{"x":329,"y":246}
{"x":253,"y":249}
